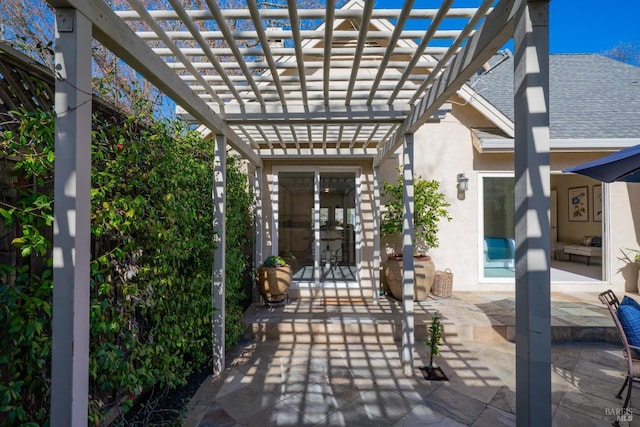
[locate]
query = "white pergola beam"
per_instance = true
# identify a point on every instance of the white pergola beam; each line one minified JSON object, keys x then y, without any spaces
{"x":334,"y":96}
{"x":288,"y":86}
{"x":219,"y":254}
{"x":408,"y":276}
{"x":334,"y":112}
{"x":453,"y":49}
{"x":314,"y":153}
{"x":72,"y":221}
{"x":306,"y":35}
{"x":165,"y":15}
{"x":422,"y":48}
{"x":309,"y":65}
{"x":356,"y":62}
{"x":335,"y":77}
{"x":297,"y":43}
{"x":496,"y":30}
{"x":328,"y":45}
{"x":175,"y":51}
{"x":264,"y":42}
{"x":294,"y":52}
{"x":532,"y":207}
{"x":116,"y":36}
{"x":226,"y":31}
{"x":391,"y":48}
{"x":207,"y":50}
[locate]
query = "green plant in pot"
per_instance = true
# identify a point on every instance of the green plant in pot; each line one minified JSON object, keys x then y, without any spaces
{"x":435,"y":336}
{"x":631,"y":257}
{"x":430,"y":207}
{"x":273,"y":280}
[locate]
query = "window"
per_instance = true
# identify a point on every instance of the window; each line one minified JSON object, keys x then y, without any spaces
{"x":498,"y":227}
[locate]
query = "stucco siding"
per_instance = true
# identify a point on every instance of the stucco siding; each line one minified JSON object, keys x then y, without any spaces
{"x":444,"y":150}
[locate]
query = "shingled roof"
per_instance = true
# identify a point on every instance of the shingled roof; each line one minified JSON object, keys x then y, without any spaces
{"x":591,"y":96}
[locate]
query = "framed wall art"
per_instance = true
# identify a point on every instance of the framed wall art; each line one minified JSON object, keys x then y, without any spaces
{"x":579,"y":204}
{"x":597,"y":203}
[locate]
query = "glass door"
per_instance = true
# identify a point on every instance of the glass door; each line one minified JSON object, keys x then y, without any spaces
{"x":316,"y":226}
{"x":337,"y":226}
{"x":296,"y":225}
{"x":498,"y":229}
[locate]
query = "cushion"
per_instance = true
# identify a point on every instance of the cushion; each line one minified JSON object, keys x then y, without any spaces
{"x":498,"y":248}
{"x":630,"y":301}
{"x":629,"y":317}
{"x":587,"y":240}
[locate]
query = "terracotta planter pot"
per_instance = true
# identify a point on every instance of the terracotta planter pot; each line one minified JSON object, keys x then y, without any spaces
{"x":274,"y":282}
{"x":424,"y":273}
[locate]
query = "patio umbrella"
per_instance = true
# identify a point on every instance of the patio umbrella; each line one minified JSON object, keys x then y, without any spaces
{"x":623,"y":165}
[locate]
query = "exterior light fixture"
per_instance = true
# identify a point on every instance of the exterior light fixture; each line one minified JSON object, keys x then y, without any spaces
{"x":463,"y":182}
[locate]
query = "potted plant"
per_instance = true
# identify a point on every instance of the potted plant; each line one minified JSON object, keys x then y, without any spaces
{"x":430,"y":207}
{"x":435,"y":335}
{"x":632,"y":256}
{"x":273,"y":280}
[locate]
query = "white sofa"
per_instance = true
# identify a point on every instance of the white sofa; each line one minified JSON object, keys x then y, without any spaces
{"x":582,"y":250}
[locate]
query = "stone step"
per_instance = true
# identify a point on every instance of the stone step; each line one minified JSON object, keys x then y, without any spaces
{"x":374,"y":327}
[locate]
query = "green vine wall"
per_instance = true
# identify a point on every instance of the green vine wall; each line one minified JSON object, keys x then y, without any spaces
{"x":152,"y":251}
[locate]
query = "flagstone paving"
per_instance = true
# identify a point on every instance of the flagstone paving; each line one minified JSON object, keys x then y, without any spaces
{"x":337,"y":374}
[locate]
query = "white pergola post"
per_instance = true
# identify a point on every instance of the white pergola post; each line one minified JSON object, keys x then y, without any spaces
{"x":376,"y":234}
{"x":408,"y":321}
{"x":219,"y":225}
{"x":257,"y":224}
{"x":532,"y":197}
{"x":72,"y":232}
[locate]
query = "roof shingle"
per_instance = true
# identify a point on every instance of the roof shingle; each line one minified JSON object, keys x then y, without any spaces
{"x":590,"y":96}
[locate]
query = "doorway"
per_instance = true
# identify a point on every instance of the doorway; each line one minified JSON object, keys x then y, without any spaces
{"x":316,"y":223}
{"x":497,"y":225}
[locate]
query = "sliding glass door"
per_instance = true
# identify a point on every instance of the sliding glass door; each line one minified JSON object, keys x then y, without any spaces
{"x":317,"y":220}
{"x":498,"y":227}
{"x":295,"y":221}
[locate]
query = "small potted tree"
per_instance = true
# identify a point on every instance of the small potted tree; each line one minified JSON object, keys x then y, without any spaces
{"x":430,"y":207}
{"x":435,"y":335}
{"x":273,"y":280}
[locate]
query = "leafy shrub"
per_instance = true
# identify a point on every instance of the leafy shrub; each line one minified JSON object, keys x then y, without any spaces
{"x":152,"y":250}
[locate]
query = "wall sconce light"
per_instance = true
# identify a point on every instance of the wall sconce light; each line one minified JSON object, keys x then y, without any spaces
{"x":463,"y":182}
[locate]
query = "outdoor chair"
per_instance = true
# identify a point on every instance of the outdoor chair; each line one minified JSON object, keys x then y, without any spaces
{"x":631,"y":356}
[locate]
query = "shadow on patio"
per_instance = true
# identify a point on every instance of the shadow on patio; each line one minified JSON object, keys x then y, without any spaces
{"x":315,"y":363}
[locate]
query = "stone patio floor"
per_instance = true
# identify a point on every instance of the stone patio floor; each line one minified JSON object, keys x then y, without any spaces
{"x":313,"y":362}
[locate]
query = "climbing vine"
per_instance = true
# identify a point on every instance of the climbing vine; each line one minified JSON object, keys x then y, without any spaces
{"x":151,"y":265}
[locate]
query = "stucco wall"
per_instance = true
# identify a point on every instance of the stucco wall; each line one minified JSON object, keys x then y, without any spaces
{"x":445,"y":149}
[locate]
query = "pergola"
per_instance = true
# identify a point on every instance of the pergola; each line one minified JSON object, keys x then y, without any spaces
{"x":292,"y":82}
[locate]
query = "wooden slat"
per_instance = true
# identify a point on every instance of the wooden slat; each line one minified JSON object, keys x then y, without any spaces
{"x":229,"y":38}
{"x":362,"y":37}
{"x":165,"y":15}
{"x":139,"y":7}
{"x":339,"y":35}
{"x":453,"y":49}
{"x":391,"y":47}
{"x":206,"y":51}
{"x":328,"y":45}
{"x":297,"y":42}
{"x":433,"y":29}
{"x":264,"y":41}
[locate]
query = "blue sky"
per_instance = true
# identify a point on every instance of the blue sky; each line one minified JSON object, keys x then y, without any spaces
{"x":576,"y":26}
{"x":590,"y":26}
